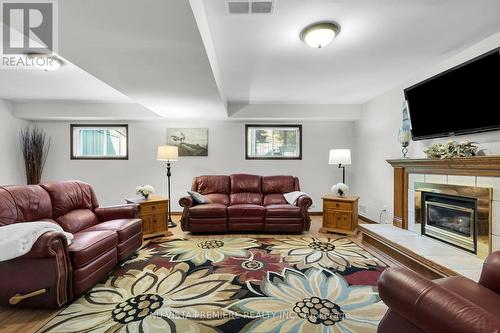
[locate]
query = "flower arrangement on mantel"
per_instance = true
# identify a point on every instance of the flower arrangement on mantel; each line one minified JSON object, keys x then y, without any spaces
{"x":340,"y":189}
{"x":145,"y":191}
{"x":451,"y":149}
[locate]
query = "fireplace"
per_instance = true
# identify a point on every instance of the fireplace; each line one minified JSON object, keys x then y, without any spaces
{"x":456,"y":215}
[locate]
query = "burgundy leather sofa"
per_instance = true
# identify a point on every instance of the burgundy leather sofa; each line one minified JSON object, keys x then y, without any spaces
{"x":453,"y":304}
{"x":245,"y":203}
{"x":102,"y":238}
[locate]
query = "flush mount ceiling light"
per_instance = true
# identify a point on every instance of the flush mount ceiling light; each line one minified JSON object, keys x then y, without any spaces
{"x":319,"y":35}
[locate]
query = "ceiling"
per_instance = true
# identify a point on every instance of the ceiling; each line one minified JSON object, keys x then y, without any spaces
{"x":191,"y":59}
{"x":382,"y":42}
{"x":68,"y":83}
{"x":150,"y":50}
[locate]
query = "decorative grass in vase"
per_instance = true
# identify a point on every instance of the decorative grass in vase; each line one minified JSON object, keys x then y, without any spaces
{"x":35,"y":147}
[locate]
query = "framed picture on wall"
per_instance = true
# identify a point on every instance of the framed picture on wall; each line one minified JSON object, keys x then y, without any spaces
{"x":191,"y":141}
{"x":273,"y":142}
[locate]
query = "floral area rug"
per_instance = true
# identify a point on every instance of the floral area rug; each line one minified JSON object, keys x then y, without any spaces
{"x":294,"y":284}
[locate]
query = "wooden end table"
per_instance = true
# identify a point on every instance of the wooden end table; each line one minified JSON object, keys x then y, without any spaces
{"x":340,"y":215}
{"x":153,"y":213}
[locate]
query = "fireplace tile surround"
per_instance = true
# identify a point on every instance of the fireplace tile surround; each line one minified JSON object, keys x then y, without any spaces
{"x":489,"y":182}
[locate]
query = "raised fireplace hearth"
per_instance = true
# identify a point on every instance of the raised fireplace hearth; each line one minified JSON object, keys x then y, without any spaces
{"x":457,"y":215}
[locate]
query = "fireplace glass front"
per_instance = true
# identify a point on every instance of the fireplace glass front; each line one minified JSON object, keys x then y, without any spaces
{"x":451,"y":219}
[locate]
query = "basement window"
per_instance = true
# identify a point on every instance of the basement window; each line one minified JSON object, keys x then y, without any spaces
{"x":99,"y":142}
{"x":273,"y":142}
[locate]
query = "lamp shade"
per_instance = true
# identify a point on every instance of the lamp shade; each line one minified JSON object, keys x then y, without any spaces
{"x":168,"y":153}
{"x":340,"y":156}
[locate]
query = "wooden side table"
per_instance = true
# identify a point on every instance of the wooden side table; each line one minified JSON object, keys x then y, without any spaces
{"x":153,"y":213}
{"x":340,"y":215}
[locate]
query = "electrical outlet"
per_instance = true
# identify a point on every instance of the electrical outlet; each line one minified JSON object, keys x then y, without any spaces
{"x":383,"y":215}
{"x":313,"y":206}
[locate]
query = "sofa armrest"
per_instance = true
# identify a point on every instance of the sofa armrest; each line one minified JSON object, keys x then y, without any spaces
{"x":490,"y":276}
{"x":40,"y":278}
{"x":130,"y":211}
{"x":47,"y":246}
{"x":186,"y":202}
{"x":304,"y":201}
{"x":430,"y":307}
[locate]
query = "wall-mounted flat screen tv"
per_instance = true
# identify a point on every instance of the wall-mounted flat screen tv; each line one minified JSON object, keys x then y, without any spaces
{"x":462,"y":100}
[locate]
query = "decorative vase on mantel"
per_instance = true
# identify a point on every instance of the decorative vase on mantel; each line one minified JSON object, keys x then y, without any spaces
{"x":404,"y":135}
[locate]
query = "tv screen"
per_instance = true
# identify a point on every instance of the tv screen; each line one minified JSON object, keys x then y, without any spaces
{"x":462,"y":100}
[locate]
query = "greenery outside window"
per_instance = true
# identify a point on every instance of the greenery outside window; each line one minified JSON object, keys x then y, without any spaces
{"x":99,"y":142}
{"x":273,"y":142}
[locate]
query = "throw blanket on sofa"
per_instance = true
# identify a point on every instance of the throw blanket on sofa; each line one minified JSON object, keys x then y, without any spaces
{"x":292,"y":197}
{"x":17,"y":239}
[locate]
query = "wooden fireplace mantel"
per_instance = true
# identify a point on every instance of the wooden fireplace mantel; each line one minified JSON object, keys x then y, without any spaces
{"x":487,"y":166}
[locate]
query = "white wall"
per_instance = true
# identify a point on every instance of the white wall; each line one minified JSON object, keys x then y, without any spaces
{"x":376,"y":137}
{"x":11,"y":165}
{"x":116,"y":180}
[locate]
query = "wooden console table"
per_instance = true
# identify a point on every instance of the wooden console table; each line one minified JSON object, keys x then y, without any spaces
{"x":154,"y":213}
{"x":340,"y":215}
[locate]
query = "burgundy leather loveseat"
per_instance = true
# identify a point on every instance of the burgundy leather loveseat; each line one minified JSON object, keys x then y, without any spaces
{"x":244,"y":202}
{"x":453,"y":304}
{"x":52,"y":271}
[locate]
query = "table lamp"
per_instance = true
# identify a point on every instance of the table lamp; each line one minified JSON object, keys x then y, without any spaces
{"x":341,"y":157}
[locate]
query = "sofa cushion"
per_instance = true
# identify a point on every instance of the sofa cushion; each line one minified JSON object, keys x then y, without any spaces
{"x":218,"y":198}
{"x":283,"y":210}
{"x":245,"y":189}
{"x":125,"y":228}
{"x":24,"y":204}
{"x":273,"y":199}
{"x":278,"y":184}
{"x":211,"y":184}
{"x":246,"y":210}
{"x":246,"y":198}
{"x":70,"y":195}
{"x":241,"y":183}
{"x":90,"y":245}
{"x":77,"y":220}
{"x":199,"y":198}
{"x":208,"y":210}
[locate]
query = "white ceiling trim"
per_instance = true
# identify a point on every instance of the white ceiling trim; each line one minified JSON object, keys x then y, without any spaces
{"x":59,"y":111}
{"x":346,"y":112}
{"x":200,"y":16}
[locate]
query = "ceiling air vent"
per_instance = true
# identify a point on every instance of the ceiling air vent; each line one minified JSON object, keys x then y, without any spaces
{"x":250,"y":7}
{"x":238,"y":7}
{"x":262,"y":7}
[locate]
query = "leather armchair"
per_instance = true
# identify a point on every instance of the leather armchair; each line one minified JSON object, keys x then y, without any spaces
{"x":53,"y":273}
{"x":453,"y":304}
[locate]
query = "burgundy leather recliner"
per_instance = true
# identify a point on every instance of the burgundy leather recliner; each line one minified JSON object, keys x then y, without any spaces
{"x":453,"y":304}
{"x":53,"y":272}
{"x":245,"y":203}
